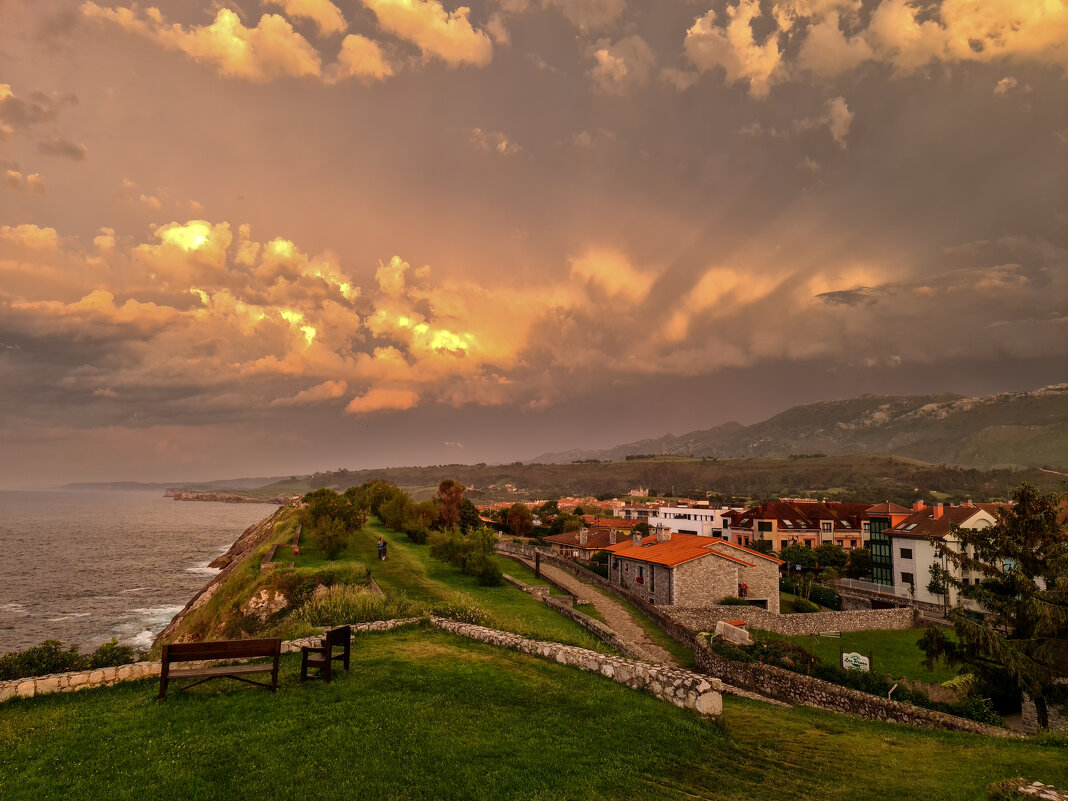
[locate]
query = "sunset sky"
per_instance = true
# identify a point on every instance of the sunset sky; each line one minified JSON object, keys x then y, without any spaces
{"x":279,"y":236}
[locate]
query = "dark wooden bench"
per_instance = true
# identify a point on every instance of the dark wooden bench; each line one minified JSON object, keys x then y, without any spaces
{"x":322,"y":657}
{"x":222,"y":649}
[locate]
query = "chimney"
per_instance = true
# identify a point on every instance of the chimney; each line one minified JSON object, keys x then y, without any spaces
{"x":918,"y":506}
{"x":583,"y":534}
{"x":636,"y":539}
{"x":967,"y":503}
{"x":936,"y":511}
{"x":663,"y":534}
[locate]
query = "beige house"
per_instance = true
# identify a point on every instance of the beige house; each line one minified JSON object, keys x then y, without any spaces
{"x":671,"y":569}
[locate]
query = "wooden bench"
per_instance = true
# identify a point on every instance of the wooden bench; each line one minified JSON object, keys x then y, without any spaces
{"x":321,"y":658}
{"x":222,"y":649}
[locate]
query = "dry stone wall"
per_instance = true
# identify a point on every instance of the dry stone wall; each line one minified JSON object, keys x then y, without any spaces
{"x":795,"y":688}
{"x":705,"y":619}
{"x":703,"y":694}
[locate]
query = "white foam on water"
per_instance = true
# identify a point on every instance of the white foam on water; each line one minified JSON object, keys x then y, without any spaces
{"x":14,"y":609}
{"x":142,"y":641}
{"x":203,"y":570}
{"x":135,"y":589}
{"x":71,"y":616}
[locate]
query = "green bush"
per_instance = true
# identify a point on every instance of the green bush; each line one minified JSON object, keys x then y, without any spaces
{"x":461,"y":607}
{"x":804,"y":607}
{"x":344,"y":603}
{"x":417,"y":532}
{"x":51,"y":657}
{"x":825,"y":596}
{"x":733,"y":600}
{"x":483,"y":568}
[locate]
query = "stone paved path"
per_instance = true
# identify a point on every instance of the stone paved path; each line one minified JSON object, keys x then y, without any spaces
{"x":616,"y":617}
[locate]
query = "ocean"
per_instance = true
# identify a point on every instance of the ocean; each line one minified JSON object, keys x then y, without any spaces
{"x":83,"y":567}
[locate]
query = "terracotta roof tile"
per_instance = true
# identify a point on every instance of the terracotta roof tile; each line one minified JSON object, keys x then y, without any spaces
{"x":680,"y":548}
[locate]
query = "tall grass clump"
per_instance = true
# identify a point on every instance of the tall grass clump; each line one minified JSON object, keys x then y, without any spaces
{"x":345,"y":603}
{"x":461,"y":607}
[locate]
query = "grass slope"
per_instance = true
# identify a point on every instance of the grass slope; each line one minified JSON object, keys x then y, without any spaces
{"x":894,"y":652}
{"x":409,"y":569}
{"x":424,"y":715}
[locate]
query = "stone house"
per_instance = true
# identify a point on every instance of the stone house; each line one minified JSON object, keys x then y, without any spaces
{"x":587,"y":541}
{"x":670,"y":569}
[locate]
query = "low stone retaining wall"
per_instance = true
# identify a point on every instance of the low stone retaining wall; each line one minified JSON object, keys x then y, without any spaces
{"x":705,"y":619}
{"x":795,"y":688}
{"x":679,"y":687}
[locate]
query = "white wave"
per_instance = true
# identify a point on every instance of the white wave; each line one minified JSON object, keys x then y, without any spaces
{"x":142,"y":641}
{"x":135,"y":589}
{"x":71,"y":616}
{"x":14,"y":608}
{"x":203,"y":570}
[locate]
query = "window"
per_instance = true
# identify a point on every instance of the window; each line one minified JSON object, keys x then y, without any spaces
{"x":839,"y":543}
{"x":907,"y":578}
{"x":826,"y":525}
{"x":906,"y":553}
{"x":641,"y":574}
{"x":763,"y":525}
{"x":615,"y":564}
{"x":865,"y":526}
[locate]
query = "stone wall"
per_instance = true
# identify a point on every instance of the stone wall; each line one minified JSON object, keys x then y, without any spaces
{"x":705,"y":619}
{"x":1058,"y":720}
{"x":679,"y":687}
{"x":795,"y":688}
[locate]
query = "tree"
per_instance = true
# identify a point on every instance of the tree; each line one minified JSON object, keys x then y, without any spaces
{"x":332,"y":536}
{"x":643,"y":529}
{"x":520,"y":520}
{"x":798,"y":555}
{"x":939,"y":584}
{"x":469,"y":518}
{"x":762,"y":546}
{"x":829,"y":555}
{"x":858,"y":564}
{"x":450,"y":494}
{"x":1022,"y":641}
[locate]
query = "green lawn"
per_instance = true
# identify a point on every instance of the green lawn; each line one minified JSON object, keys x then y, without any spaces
{"x":425,"y":715}
{"x":894,"y":652}
{"x":408,"y":568}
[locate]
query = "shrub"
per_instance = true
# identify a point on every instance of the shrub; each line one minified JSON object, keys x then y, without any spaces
{"x":110,"y":654}
{"x":733,"y":600}
{"x":483,"y":568}
{"x":344,"y":603}
{"x":459,"y":606}
{"x":417,"y":532}
{"x":804,"y":607}
{"x":825,"y":596}
{"x":51,"y":657}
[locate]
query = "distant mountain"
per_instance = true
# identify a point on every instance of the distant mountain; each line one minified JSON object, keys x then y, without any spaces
{"x":1010,"y":429}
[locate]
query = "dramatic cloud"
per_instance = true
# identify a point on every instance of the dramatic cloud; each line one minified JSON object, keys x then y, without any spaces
{"x":359,"y":58}
{"x":327,"y":17}
{"x":435,"y":31}
{"x":270,"y":50}
{"x":621,"y":67}
{"x":734,"y":49}
{"x":382,"y":400}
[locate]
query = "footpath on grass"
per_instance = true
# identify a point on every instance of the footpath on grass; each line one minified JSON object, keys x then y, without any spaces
{"x":615,"y":615}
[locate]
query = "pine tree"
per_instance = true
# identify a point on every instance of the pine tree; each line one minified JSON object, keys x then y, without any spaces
{"x":1023,"y":563}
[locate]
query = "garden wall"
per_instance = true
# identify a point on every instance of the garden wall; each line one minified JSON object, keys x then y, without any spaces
{"x":795,"y":688}
{"x":679,"y":687}
{"x":705,"y":619}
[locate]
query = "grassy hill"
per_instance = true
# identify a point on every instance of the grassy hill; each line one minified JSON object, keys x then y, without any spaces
{"x":426,"y":715}
{"x":1022,"y":429}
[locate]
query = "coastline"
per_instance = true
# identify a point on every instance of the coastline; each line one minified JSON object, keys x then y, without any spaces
{"x":250,"y":539}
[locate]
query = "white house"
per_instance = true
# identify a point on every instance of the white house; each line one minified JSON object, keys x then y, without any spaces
{"x":687,"y":517}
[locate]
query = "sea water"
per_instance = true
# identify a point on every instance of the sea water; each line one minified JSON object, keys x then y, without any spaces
{"x":83,"y":567}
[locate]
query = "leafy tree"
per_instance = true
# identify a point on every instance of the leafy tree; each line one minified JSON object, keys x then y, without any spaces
{"x":520,"y":520}
{"x":548,"y":509}
{"x":763,"y":546}
{"x":331,"y":535}
{"x":938,"y":585}
{"x":643,"y":528}
{"x":798,"y":555}
{"x":469,"y":518}
{"x":396,"y":511}
{"x":858,"y":564}
{"x":564,"y":522}
{"x":1023,"y":639}
{"x":829,"y":555}
{"x":450,"y":494}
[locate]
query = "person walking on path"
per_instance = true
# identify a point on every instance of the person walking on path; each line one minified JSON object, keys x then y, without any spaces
{"x":381,"y":550}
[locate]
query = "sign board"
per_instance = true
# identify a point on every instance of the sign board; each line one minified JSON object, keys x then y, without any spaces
{"x":855,"y":661}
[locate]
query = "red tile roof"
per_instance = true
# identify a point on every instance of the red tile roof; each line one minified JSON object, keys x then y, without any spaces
{"x":596,"y":538}
{"x":923,"y":524}
{"x":749,"y":551}
{"x":680,"y":548}
{"x":888,"y":508}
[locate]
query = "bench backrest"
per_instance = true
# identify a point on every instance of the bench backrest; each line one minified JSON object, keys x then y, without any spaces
{"x":221,"y":649}
{"x":339,"y":636}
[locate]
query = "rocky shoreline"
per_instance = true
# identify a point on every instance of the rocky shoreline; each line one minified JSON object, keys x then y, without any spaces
{"x":252,"y":537}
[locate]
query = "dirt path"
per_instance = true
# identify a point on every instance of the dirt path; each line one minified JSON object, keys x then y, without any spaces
{"x":615,"y":615}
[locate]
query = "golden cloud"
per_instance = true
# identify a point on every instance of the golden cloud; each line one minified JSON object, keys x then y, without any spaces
{"x":435,"y":31}
{"x":359,"y":58}
{"x":327,"y":17}
{"x":270,"y":50}
{"x":30,"y":236}
{"x":382,"y":400}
